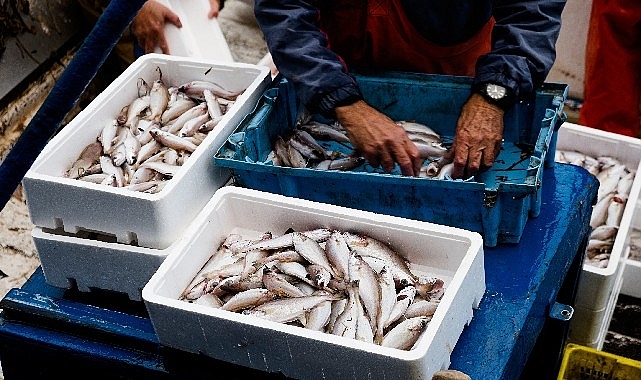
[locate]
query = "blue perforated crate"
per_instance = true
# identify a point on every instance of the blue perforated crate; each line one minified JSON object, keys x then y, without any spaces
{"x":496,"y":203}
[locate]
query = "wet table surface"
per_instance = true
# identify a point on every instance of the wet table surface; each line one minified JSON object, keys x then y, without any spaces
{"x":83,"y":333}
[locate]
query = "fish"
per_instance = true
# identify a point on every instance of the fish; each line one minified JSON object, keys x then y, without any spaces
{"x":404,"y":299}
{"x":195,"y":90}
{"x":387,"y":300}
{"x":172,"y":141}
{"x":337,"y":253}
{"x":247,"y":299}
{"x":278,"y":284}
{"x":318,"y":316}
{"x":135,"y":110}
{"x":213,"y":107}
{"x":369,"y":288}
{"x":89,"y":156}
{"x":287,"y":240}
{"x":312,"y":251}
{"x":158,"y":100}
{"x":404,"y":335}
{"x":366,"y":246}
{"x":288,"y":309}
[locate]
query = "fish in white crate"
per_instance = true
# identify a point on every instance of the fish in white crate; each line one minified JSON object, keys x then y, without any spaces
{"x":337,"y":282}
{"x":132,"y":149}
{"x":615,"y":182}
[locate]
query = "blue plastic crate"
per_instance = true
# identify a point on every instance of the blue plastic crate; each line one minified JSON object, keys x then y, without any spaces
{"x":497,"y":203}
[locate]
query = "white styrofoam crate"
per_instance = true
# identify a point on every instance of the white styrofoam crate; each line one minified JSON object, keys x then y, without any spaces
{"x":199,"y":36}
{"x":151,"y":220}
{"x":589,"y":327}
{"x":71,"y":261}
{"x":453,"y":254}
{"x":596,"y":285}
{"x":632,"y":269}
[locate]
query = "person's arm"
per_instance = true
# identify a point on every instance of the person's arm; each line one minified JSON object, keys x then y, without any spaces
{"x":300,"y":51}
{"x":523,"y":51}
{"x":523,"y":44}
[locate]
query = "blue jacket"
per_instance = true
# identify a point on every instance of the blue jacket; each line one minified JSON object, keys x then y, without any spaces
{"x":523,"y":43}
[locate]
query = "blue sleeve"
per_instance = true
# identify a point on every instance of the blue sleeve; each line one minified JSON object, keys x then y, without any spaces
{"x":300,"y":51}
{"x":523,"y":44}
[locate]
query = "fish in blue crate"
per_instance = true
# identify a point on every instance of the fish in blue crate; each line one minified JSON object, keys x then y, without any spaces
{"x":326,"y":146}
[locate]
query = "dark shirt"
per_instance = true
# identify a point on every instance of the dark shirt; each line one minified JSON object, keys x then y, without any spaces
{"x":523,"y":43}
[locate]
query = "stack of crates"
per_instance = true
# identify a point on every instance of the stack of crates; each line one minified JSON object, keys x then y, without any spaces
{"x":95,"y":236}
{"x":598,"y":288}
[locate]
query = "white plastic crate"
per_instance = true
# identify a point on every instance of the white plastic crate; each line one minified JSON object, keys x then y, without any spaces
{"x":199,"y":36}
{"x":150,"y":220}
{"x":632,"y":269}
{"x":71,"y":261}
{"x":597,"y":285}
{"x":453,"y":254}
{"x":589,"y":327}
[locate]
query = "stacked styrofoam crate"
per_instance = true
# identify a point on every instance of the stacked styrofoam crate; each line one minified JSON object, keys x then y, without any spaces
{"x":598,"y":288}
{"x":452,"y":254}
{"x":632,"y":271}
{"x":134,"y":229}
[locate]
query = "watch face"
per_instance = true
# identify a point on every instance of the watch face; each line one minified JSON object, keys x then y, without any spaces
{"x":495,"y":91}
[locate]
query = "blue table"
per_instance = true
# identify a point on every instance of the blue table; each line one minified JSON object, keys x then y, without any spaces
{"x":47,"y":332}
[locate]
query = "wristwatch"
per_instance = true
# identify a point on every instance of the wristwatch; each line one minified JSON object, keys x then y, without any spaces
{"x":496,"y":94}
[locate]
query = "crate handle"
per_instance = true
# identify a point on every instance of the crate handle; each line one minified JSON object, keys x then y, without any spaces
{"x":561,"y":312}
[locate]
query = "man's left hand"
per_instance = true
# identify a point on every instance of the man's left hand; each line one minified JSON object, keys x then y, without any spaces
{"x":479,"y":133}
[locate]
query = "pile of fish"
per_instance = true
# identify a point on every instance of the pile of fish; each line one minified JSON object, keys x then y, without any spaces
{"x":337,"y":282}
{"x":615,"y":181}
{"x":306,"y":147}
{"x":148,"y":142}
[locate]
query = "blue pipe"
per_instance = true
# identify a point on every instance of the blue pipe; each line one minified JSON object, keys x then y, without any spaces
{"x":72,"y":83}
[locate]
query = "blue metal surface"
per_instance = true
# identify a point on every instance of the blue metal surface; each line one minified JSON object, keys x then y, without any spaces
{"x":523,"y":280}
{"x":523,"y":283}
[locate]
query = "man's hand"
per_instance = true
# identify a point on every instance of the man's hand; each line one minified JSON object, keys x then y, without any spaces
{"x":149,"y":26}
{"x":379,"y":139}
{"x":214,"y":8}
{"x":479,"y":132}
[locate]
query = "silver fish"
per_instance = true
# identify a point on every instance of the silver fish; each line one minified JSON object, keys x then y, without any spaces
{"x":194,"y":89}
{"x":403,"y":300}
{"x":318,"y":316}
{"x":248,"y":298}
{"x":312,"y":251}
{"x":388,"y":299}
{"x":367,"y":246}
{"x":89,"y":156}
{"x":404,"y":335}
{"x":337,"y":252}
{"x":421,"y":308}
{"x":288,"y":309}
{"x":176,"y":109}
{"x":158,"y":100}
{"x":108,"y":135}
{"x":172,"y":141}
{"x":278,"y":284}
{"x":368,"y":287}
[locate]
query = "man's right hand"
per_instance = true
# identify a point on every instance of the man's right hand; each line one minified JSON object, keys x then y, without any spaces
{"x":379,"y":139}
